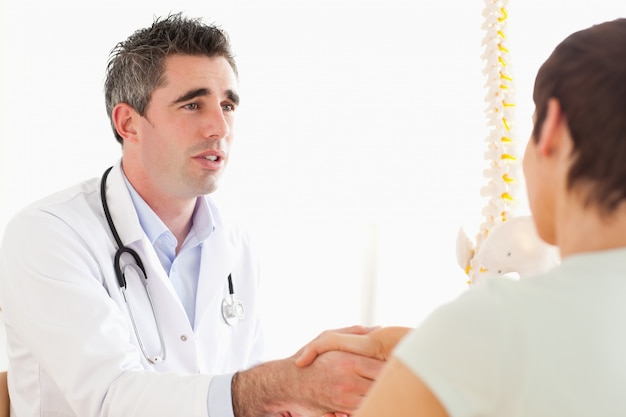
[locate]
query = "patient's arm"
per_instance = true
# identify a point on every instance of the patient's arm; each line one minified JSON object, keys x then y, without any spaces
{"x":376,"y":344}
{"x":399,"y":392}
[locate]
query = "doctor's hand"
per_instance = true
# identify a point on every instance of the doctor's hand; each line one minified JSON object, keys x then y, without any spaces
{"x":374,"y":344}
{"x":335,"y":382}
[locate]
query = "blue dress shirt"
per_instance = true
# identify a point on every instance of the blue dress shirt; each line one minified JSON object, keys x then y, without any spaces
{"x":184,"y":270}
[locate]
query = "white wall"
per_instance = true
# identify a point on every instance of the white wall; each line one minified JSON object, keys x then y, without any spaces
{"x":360,"y":135}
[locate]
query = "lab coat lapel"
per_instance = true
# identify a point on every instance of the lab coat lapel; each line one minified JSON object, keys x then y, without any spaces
{"x":218,"y":259}
{"x":121,"y":206}
{"x":129,"y":229}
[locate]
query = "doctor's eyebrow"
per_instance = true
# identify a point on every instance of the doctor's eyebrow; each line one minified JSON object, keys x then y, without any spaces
{"x":201,"y":92}
{"x":233,"y":96}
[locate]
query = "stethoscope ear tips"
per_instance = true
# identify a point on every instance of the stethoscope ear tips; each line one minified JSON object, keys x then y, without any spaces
{"x":232,"y":310}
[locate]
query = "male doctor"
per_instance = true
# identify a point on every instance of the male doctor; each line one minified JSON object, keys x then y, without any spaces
{"x":86,"y":336}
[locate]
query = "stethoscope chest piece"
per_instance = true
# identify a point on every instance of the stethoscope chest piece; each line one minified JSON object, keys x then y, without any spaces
{"x":232,"y":310}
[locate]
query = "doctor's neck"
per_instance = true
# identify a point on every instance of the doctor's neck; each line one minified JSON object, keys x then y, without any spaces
{"x":174,"y":211}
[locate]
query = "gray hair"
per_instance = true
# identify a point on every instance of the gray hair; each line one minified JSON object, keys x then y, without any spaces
{"x":136,"y":66}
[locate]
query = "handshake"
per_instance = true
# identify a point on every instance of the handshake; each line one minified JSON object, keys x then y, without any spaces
{"x":329,"y":376}
{"x":377,"y":343}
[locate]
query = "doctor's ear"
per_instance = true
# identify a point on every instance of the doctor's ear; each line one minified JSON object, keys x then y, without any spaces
{"x":551,"y":129}
{"x":124,"y":118}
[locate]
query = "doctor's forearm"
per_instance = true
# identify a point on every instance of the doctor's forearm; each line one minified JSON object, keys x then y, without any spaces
{"x":335,"y":382}
{"x":257,"y":392}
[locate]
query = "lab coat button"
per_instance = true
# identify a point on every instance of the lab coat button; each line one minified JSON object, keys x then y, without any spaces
{"x":183,"y":338}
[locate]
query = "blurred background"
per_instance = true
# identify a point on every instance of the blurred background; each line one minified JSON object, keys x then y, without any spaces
{"x":360,"y":137}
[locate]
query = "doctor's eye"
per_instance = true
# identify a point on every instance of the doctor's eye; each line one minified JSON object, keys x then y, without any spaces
{"x":191,"y":106}
{"x":228,"y":107}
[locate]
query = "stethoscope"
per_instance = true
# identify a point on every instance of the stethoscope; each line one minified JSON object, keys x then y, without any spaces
{"x":232,"y":308}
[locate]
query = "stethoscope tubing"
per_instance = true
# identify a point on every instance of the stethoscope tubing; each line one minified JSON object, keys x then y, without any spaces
{"x":121,"y":278}
{"x":232,"y":309}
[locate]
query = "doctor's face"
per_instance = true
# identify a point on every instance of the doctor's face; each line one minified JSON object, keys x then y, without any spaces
{"x":185,"y":136}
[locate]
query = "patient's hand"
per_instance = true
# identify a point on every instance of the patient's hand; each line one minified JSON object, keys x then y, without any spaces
{"x":376,"y":344}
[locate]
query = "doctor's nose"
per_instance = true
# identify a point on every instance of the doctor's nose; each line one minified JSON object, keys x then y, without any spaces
{"x":217,"y":122}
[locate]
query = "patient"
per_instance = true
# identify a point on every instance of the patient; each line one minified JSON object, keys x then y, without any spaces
{"x":553,"y":344}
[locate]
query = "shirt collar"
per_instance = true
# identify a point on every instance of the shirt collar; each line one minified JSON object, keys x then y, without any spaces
{"x":202,"y":226}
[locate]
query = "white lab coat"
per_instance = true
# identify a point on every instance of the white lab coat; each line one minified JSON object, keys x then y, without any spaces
{"x":69,"y":335}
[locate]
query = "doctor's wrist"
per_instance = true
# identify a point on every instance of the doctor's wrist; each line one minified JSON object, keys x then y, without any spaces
{"x":257,"y":392}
